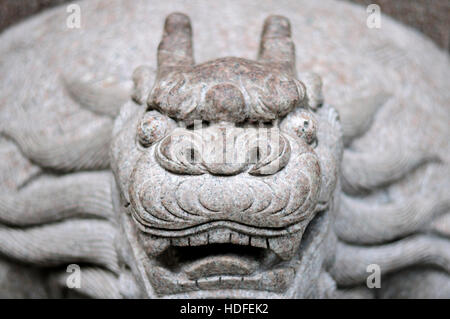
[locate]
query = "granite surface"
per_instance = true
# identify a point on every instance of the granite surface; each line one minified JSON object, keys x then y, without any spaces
{"x":239,"y":150}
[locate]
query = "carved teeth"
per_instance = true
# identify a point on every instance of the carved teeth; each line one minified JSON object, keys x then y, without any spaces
{"x":219,"y":236}
{"x":258,"y":242}
{"x":285,"y":246}
{"x":183,"y":241}
{"x":199,"y":239}
{"x":154,"y":246}
{"x":240,"y":239}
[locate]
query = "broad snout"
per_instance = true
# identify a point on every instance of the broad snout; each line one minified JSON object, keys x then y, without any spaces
{"x":224,"y":150}
{"x":256,"y":180}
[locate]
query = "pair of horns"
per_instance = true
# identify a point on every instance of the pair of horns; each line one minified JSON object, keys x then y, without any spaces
{"x":175,"y":48}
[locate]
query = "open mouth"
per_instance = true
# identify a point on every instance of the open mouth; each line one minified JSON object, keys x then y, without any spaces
{"x":215,"y":260}
{"x":224,"y":259}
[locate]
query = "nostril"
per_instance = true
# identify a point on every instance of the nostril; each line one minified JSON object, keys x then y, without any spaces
{"x":180,"y":153}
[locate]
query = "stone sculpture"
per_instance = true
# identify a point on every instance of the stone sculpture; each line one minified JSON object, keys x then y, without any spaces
{"x":229,"y":178}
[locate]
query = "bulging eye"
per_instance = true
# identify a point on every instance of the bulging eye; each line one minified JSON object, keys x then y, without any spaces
{"x":151,"y":128}
{"x":303,"y":124}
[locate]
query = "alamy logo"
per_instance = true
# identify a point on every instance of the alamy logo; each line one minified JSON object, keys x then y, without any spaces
{"x":74,"y":279}
{"x":374,"y":279}
{"x":374,"y":16}
{"x":73,"y":21}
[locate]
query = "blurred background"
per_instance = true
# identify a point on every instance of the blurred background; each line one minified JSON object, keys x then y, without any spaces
{"x":431,"y":17}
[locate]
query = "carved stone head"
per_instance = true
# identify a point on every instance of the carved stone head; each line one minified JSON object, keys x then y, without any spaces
{"x":222,"y":168}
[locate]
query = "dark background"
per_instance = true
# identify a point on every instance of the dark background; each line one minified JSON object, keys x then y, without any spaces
{"x":431,"y":17}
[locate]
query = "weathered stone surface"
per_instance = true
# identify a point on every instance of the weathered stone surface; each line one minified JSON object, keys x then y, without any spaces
{"x":229,"y":177}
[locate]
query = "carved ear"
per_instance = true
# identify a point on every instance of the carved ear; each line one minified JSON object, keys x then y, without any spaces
{"x":276,"y":43}
{"x":175,"y":48}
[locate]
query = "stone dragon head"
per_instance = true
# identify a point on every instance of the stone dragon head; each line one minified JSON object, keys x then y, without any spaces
{"x":220,"y":168}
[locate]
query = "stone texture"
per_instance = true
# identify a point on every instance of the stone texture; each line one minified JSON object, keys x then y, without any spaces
{"x":229,"y":177}
{"x":429,"y":17}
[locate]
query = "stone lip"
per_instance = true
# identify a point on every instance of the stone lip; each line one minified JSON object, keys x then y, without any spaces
{"x":218,"y":265}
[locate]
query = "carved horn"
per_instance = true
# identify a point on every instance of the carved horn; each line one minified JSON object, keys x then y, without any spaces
{"x":175,"y":48}
{"x":276,"y":43}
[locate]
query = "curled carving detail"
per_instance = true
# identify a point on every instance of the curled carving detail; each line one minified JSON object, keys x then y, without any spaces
{"x":224,"y":151}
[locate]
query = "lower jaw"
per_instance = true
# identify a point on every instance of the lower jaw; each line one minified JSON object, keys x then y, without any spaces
{"x":224,"y":266}
{"x":165,"y":283}
{"x":275,"y":282}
